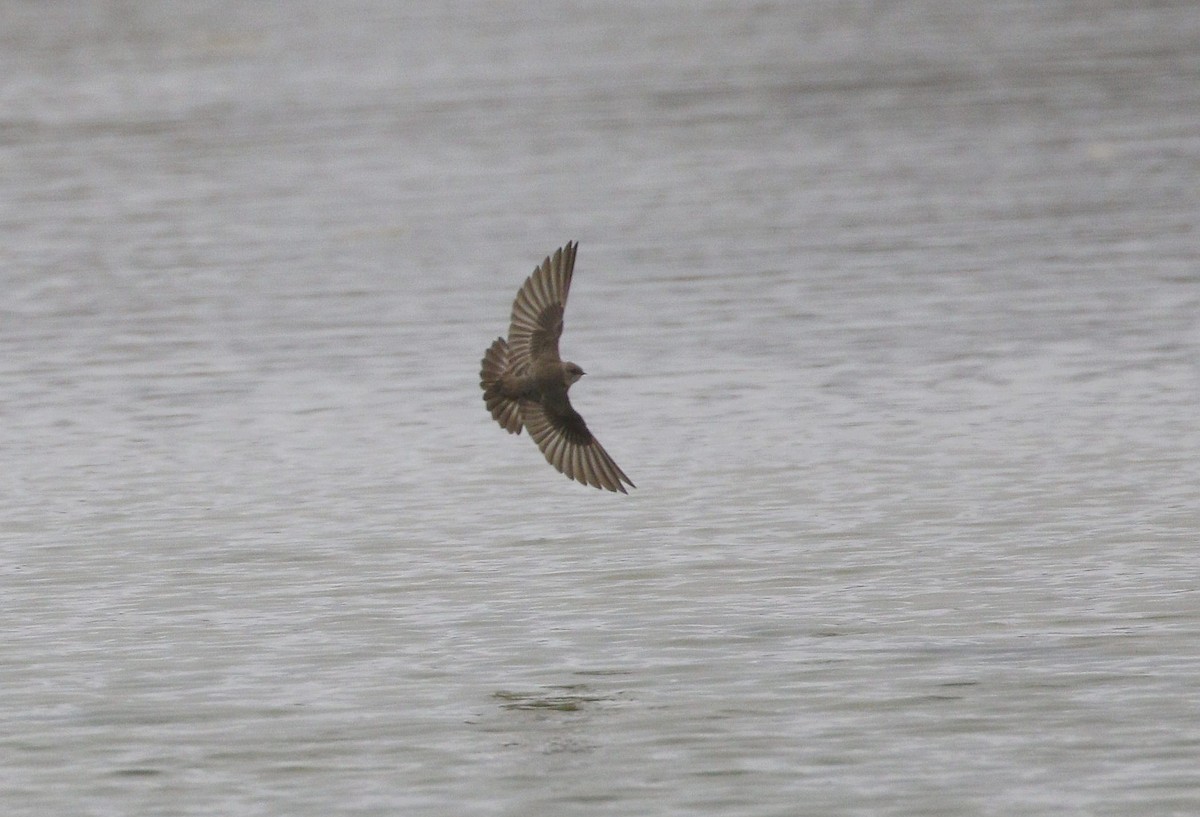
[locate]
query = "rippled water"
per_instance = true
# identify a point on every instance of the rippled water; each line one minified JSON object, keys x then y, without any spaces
{"x":892,"y":312}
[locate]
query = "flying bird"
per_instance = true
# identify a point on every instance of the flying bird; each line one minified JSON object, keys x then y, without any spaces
{"x":525,"y":382}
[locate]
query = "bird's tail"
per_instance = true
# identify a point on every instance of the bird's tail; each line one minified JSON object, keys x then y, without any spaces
{"x":505,"y":410}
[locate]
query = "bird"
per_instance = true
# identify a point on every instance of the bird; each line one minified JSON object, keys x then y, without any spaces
{"x":525,"y":381}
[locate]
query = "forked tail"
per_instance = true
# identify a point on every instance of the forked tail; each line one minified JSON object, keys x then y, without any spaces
{"x":505,"y":410}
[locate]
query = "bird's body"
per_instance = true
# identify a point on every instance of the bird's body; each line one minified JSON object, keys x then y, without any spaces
{"x":525,"y":382}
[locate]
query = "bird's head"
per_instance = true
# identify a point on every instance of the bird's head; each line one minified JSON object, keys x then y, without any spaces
{"x":572,"y":372}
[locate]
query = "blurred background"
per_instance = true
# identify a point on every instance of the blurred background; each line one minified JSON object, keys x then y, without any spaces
{"x":891,"y":310}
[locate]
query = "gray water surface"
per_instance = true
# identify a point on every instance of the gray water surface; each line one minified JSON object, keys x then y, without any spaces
{"x":891,"y":311}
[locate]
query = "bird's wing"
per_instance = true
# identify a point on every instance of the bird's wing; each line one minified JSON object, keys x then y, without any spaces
{"x":537,"y":313}
{"x":564,"y":439}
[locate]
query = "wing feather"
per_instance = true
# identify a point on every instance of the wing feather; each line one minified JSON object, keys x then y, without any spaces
{"x":537,"y":313}
{"x":566,"y":443}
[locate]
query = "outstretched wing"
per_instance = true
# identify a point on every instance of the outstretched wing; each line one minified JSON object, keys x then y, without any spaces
{"x":564,"y":439}
{"x":537,"y":313}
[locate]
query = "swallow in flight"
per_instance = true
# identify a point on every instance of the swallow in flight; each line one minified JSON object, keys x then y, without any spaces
{"x":525,"y":382}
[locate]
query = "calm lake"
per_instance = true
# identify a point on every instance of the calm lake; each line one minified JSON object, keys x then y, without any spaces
{"x":891,"y":311}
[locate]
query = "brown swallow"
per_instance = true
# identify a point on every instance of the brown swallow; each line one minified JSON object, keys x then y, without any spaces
{"x":525,"y":382}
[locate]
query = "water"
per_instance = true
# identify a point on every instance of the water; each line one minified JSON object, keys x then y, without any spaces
{"x":890,"y":310}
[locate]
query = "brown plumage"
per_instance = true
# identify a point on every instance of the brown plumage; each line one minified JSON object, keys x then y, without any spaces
{"x":525,"y":382}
